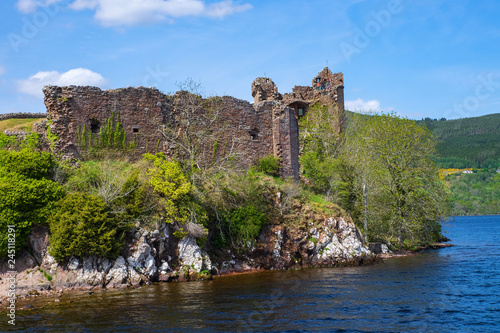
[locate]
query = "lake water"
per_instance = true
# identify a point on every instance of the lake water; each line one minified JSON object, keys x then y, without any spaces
{"x":449,"y":290}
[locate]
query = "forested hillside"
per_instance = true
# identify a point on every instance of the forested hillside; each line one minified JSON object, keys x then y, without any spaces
{"x":475,"y":194}
{"x":468,"y":142}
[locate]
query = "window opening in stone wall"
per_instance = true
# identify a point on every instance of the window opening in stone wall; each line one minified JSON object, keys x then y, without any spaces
{"x":95,"y":126}
{"x":301,"y":112}
{"x":267,"y":80}
{"x":254,"y":135}
{"x":135,"y":129}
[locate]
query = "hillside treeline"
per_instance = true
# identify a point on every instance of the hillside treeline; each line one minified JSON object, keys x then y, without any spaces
{"x":475,"y":194}
{"x":468,"y":142}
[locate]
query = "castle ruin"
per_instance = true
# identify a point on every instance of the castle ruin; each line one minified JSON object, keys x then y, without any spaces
{"x":269,"y":126}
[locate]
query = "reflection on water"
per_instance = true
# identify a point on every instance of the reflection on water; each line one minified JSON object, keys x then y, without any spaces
{"x":453,"y":290}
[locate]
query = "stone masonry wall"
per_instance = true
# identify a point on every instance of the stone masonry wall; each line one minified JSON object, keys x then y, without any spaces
{"x":71,"y":109}
{"x":285,"y":139}
{"x":22,"y":115}
{"x":240,"y":128}
{"x":327,"y":88}
{"x":249,"y":132}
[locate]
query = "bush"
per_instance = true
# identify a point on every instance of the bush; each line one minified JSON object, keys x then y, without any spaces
{"x":269,"y":165}
{"x":230,"y":197}
{"x":245,"y":224}
{"x":178,"y":203}
{"x":7,"y":141}
{"x":83,"y":226}
{"x":24,"y":201}
{"x":29,"y":163}
{"x":240,"y":227}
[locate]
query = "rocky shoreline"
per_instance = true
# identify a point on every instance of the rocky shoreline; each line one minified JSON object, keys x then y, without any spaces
{"x":158,"y":256}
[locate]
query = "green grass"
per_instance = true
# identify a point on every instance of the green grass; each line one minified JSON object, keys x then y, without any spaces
{"x":320,"y":204}
{"x":47,"y":276}
{"x":19,"y":124}
{"x":317,"y":202}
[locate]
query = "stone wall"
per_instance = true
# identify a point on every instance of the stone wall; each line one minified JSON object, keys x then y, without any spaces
{"x":146,"y":114}
{"x":264,"y":89}
{"x":73,"y":109}
{"x":154,"y":120}
{"x":22,"y":115}
{"x":327,"y":89}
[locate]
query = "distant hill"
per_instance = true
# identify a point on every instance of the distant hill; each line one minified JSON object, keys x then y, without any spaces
{"x":468,"y":142}
{"x":475,"y":194}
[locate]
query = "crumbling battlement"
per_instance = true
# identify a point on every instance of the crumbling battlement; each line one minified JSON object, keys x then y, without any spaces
{"x":327,"y":88}
{"x":148,"y":117}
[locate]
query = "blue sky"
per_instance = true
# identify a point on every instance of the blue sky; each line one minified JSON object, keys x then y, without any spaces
{"x":427,"y":58}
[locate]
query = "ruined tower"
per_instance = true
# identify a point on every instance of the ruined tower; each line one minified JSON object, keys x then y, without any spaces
{"x":327,"y":89}
{"x":264,"y":89}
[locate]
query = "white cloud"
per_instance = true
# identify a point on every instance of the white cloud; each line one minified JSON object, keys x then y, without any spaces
{"x":135,"y":12}
{"x":361,"y":105}
{"x":84,"y":4}
{"x":225,"y":8}
{"x":2,"y":70}
{"x":79,"y":77}
{"x":29,"y":6}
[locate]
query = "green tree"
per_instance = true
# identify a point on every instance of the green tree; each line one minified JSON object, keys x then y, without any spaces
{"x":393,"y":157}
{"x":324,"y":162}
{"x":83,"y":225}
{"x":24,"y":201}
{"x":407,"y":197}
{"x":179,"y":206}
{"x":475,"y":194}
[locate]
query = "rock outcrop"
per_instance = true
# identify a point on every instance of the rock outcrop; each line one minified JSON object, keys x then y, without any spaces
{"x":334,"y":241}
{"x":157,"y":255}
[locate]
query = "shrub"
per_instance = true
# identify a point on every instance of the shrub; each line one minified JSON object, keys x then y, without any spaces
{"x":83,"y":226}
{"x":239,"y":205}
{"x":245,"y":224}
{"x":269,"y":165}
{"x":24,"y":201}
{"x":7,"y":141}
{"x":29,"y":163}
{"x":177,"y":201}
{"x":31,"y":141}
{"x":83,"y":178}
{"x":123,"y":186}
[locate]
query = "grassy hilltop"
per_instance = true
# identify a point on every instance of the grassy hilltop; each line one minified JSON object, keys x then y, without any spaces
{"x":18,"y":124}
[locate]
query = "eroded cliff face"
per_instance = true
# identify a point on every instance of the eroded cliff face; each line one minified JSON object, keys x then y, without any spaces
{"x":157,"y":255}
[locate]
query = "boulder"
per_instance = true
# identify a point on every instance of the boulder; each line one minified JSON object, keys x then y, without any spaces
{"x":190,"y":254}
{"x":118,"y":274}
{"x":38,"y":240}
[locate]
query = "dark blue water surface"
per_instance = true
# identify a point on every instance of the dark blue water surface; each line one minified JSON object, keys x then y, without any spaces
{"x":449,"y":290}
